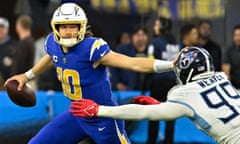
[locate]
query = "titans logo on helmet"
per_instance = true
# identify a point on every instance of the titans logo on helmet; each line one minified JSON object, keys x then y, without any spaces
{"x":187,"y":59}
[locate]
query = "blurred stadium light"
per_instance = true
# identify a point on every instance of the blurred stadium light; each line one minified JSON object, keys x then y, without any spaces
{"x":176,"y":9}
{"x":125,"y":6}
{"x":187,"y":9}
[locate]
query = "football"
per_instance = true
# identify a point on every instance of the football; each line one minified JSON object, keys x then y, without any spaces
{"x":26,"y":97}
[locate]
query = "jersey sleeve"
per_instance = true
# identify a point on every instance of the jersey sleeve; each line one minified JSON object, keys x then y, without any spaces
{"x":48,"y":42}
{"x":178,"y":95}
{"x":99,"y":48}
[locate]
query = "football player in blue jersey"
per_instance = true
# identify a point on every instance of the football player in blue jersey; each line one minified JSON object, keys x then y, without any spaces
{"x":80,"y":62}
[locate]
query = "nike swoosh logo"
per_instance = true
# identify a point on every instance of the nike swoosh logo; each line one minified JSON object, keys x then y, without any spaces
{"x":102,"y":54}
{"x":101,"y":129}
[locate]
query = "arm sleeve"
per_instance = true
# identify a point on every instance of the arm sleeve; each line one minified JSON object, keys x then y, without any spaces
{"x":163,"y":111}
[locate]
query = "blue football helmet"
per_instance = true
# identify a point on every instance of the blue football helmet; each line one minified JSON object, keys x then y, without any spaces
{"x":192,"y":64}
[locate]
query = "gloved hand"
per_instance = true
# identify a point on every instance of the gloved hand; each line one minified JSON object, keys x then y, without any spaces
{"x":84,"y":108}
{"x":145,"y":100}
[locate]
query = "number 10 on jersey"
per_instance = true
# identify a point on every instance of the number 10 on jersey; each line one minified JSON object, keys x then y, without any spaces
{"x":70,"y":80}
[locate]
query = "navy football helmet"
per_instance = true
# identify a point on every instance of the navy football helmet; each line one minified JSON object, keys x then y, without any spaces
{"x":194,"y":63}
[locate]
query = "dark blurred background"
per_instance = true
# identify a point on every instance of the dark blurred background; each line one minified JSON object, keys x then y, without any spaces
{"x":109,"y":19}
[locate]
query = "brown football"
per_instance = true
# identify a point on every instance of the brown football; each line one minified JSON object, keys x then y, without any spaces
{"x":26,"y":97}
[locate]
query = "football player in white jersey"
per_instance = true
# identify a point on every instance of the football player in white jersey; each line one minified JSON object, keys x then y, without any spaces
{"x":204,"y":96}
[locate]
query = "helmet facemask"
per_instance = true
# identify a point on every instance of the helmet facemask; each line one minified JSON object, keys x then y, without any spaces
{"x":67,"y":14}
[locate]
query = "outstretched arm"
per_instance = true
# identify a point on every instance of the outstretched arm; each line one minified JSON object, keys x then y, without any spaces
{"x":139,"y":64}
{"x":163,"y":111}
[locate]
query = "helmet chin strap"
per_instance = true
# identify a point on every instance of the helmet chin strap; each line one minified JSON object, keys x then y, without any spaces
{"x":68,"y":42}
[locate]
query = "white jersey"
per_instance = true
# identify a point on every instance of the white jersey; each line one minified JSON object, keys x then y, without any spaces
{"x":212,"y":104}
{"x":215,"y":104}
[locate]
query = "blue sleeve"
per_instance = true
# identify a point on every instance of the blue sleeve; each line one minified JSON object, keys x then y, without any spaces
{"x":99,"y":48}
{"x":48,"y":42}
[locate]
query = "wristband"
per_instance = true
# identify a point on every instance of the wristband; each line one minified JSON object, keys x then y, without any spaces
{"x":162,"y":66}
{"x":30,"y":75}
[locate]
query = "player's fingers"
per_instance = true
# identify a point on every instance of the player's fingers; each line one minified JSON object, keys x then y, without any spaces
{"x":76,"y":113}
{"x":7,"y":81}
{"x":179,"y":53}
{"x":74,"y":102}
{"x":73,"y":106}
{"x":79,"y":115}
{"x":76,"y":105}
{"x":135,"y":101}
{"x":73,"y":111}
{"x":20,"y":85}
{"x":139,"y":99}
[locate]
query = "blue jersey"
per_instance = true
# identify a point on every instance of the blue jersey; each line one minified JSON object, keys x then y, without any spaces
{"x":81,"y":80}
{"x":76,"y":72}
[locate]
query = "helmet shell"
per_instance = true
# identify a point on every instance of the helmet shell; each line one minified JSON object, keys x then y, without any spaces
{"x":69,"y":13}
{"x":192,"y":62}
